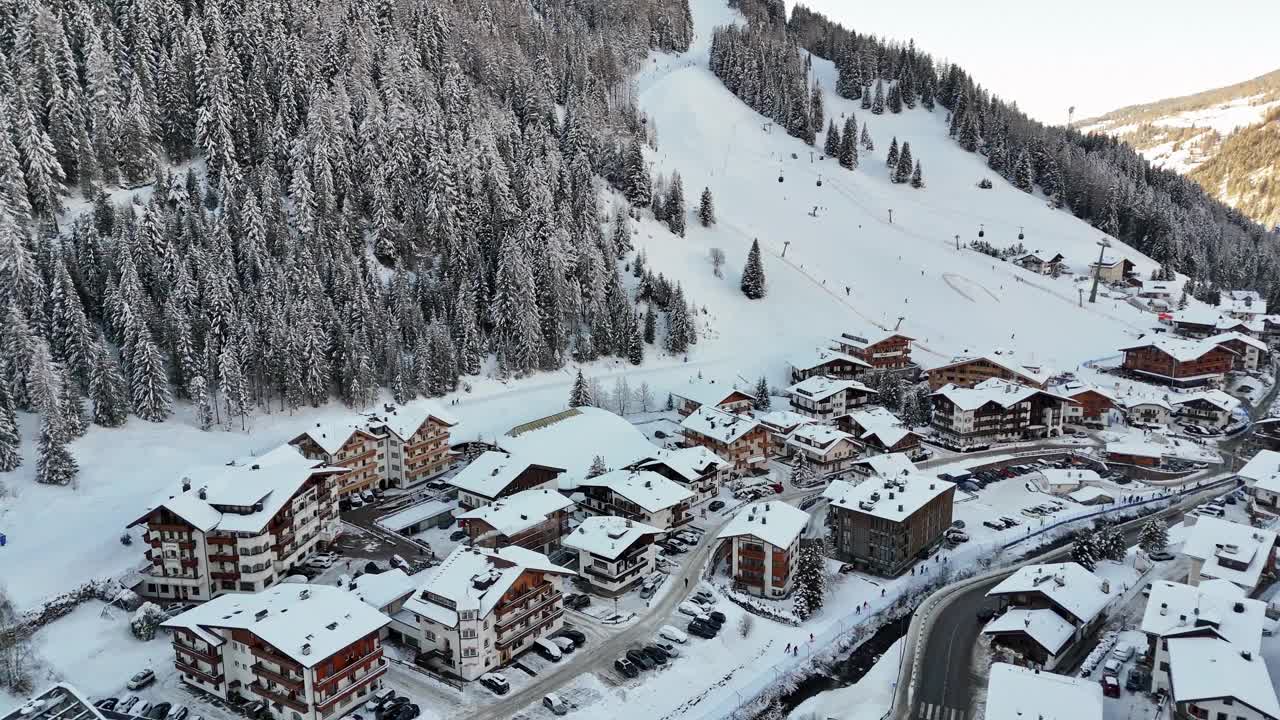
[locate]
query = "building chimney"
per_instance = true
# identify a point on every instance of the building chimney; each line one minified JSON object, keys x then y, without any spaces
{"x":1238,"y":607}
{"x":1246,"y":654}
{"x":306,"y":648}
{"x":204,"y":493}
{"x":186,"y":484}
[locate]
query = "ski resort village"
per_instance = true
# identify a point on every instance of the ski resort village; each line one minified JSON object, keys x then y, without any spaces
{"x":482,"y":361}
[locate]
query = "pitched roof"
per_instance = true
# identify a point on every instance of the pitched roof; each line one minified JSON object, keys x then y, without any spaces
{"x":1006,"y":359}
{"x":879,"y":423}
{"x":1018,"y":693}
{"x":378,"y":590}
{"x":607,"y":536}
{"x":1088,"y":493}
{"x":1238,"y":337}
{"x":1197,"y":316}
{"x":690,"y":463}
{"x":1217,"y":398}
{"x":993,"y":390}
{"x":1179,"y":609}
{"x":1069,"y":585}
{"x":332,"y":436}
{"x":521,"y":511}
{"x":1074,"y":389}
{"x":491,"y":472}
{"x":1242,"y":301}
{"x":1044,"y":626}
{"x":782,"y":420}
{"x":888,"y":464}
{"x":474,"y":578}
{"x":864,"y":338}
{"x":707,"y":391}
{"x":270,"y":479}
{"x":1054,"y":476}
{"x":1180,"y":349}
{"x":307,"y":623}
{"x":819,"y":387}
{"x":1205,"y":668}
{"x":572,"y":439}
{"x":718,"y":424}
{"x":1041,"y":256}
{"x":1263,"y":470}
{"x":405,"y":421}
{"x":773,"y":521}
{"x":817,"y":435}
{"x":1212,"y":540}
{"x":414,"y":514}
{"x":645,"y":488}
{"x":822,"y":356}
{"x":893,"y":499}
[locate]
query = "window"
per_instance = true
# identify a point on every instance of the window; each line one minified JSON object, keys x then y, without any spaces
{"x":246,"y":587}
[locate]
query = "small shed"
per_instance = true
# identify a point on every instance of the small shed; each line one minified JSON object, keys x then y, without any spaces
{"x":1090,"y":495}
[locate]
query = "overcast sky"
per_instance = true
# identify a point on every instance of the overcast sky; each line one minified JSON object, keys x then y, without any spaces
{"x":1095,"y":54}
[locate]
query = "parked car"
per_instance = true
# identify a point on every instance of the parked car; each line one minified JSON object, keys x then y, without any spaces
{"x":701,"y":630}
{"x":547,"y":649}
{"x":673,"y":634}
{"x":626,"y":667}
{"x":457,"y":535}
{"x":1122,"y":652}
{"x":322,"y":562}
{"x":1161,"y":555}
{"x":496,"y":682}
{"x":958,"y":524}
{"x":565,"y":644}
{"x":1137,"y":680}
{"x":993,"y":525}
{"x":648,"y":590}
{"x":958,"y":536}
{"x":159,"y":711}
{"x":379,"y":699}
{"x":1110,"y":686}
{"x":107,"y":703}
{"x":408,"y":711}
{"x":578,"y":638}
{"x":143,"y":679}
{"x":716,"y":505}
{"x":355,"y":501}
{"x":128,"y":704}
{"x":1111,"y":667}
{"x":689,"y":608}
{"x":671,"y":650}
{"x":390,"y":708}
{"x":655,"y":654}
{"x":552,"y":702}
{"x":717,"y":617}
{"x":642,"y":661}
{"x":577,"y":601}
{"x":178,"y":712}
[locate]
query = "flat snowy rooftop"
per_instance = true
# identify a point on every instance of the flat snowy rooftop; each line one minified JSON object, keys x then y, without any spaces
{"x":1017,"y":693}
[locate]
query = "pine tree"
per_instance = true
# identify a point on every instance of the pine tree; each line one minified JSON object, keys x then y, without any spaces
{"x":71,"y":411}
{"x":810,"y":581}
{"x":865,"y":140}
{"x":877,"y":103}
{"x":1111,"y":212}
{"x":148,"y":382}
{"x":55,"y":466}
{"x":816,"y":111}
{"x":107,"y":389}
{"x":917,"y":177}
{"x":801,"y":471}
{"x":1110,"y":544}
{"x":580,"y":394}
{"x":198,"y":391}
{"x":1023,"y":172}
{"x":892,"y":160}
{"x":598,"y":467}
{"x":762,"y":401}
{"x":706,"y":210}
{"x":895,"y":99}
{"x":849,"y":144}
{"x":753,"y":281}
{"x":902,"y":171}
{"x":866,"y":97}
{"x":1084,"y":552}
{"x":10,"y":438}
{"x":650,"y":324}
{"x":1154,"y":535}
{"x":675,"y":205}
{"x":831,"y":146}
{"x":639,"y":186}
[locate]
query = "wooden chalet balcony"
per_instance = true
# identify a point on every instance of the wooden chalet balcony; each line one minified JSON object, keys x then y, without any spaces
{"x":272,"y":656}
{"x":221,"y":557}
{"x":278,"y":697}
{"x":210,"y":656}
{"x":537,"y":605}
{"x":224,"y":575}
{"x":372,"y":675}
{"x":355,"y":665}
{"x":511,"y":604}
{"x":532,"y":628}
{"x":289,"y":681}
{"x":182,"y":667}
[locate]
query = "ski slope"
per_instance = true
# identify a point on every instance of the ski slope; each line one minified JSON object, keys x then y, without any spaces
{"x":949,"y":300}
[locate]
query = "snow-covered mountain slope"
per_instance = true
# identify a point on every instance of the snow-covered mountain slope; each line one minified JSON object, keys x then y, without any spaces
{"x":1224,"y":138}
{"x":950,"y":300}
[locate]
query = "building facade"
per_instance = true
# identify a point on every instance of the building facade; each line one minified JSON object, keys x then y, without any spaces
{"x":1181,"y":363}
{"x":826,"y":450}
{"x":881,"y":525}
{"x":995,"y":411}
{"x":534,"y":519}
{"x":882,"y":350}
{"x":739,"y":440}
{"x":415,"y":443}
{"x":825,"y":399}
{"x":614,"y":554}
{"x":969,"y":371}
{"x":495,"y":474}
{"x":760,"y":544}
{"x":358,"y":450}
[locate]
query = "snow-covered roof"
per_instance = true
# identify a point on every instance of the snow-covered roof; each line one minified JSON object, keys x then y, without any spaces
{"x":1213,"y":541}
{"x":707,"y":392}
{"x":893,"y":499}
{"x":1006,"y":359}
{"x":888,"y":464}
{"x":332,"y":436}
{"x":404,"y":421}
{"x":1018,"y":693}
{"x":307,"y":623}
{"x":817,"y":435}
{"x":379,"y":590}
{"x":690,"y":463}
{"x":1160,"y":286}
{"x":1076,"y":388}
{"x":1180,"y":349}
{"x":232,"y":493}
{"x":783,"y":421}
{"x":718,"y":424}
{"x":490,"y":473}
{"x":774,"y":522}
{"x":1178,"y":609}
{"x":475,"y":578}
{"x":820,"y":387}
{"x":61,"y":701}
{"x":414,"y":514}
{"x":1238,"y":337}
{"x":1252,"y":325}
{"x":992,"y":390}
{"x":879,"y":423}
{"x":1044,"y":626}
{"x":521,"y":511}
{"x":1243,"y":302}
{"x":1109,"y":261}
{"x":1204,"y":669}
{"x":822,"y":356}
{"x":1263,"y":470}
{"x":645,"y":488}
{"x":864,"y":338}
{"x":1136,"y":448}
{"x":573,"y":438}
{"x":1069,"y":585}
{"x":1054,"y":476}
{"x":1197,"y":316}
{"x":1216,"y":398}
{"x":1134,"y":402}
{"x":607,"y":536}
{"x":1041,"y":257}
{"x":1089,"y":494}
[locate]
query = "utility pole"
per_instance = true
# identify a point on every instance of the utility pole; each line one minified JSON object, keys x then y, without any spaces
{"x":785,"y":245}
{"x":1103,"y":244}
{"x":1081,"y":291}
{"x":957,"y":241}
{"x":890,"y":216}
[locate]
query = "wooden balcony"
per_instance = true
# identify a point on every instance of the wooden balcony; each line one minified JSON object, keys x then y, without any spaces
{"x":536,"y":605}
{"x":215,"y":677}
{"x":210,"y":656}
{"x":376,"y":656}
{"x":279,"y":698}
{"x":538,"y":623}
{"x":369,"y":677}
{"x":289,"y":681}
{"x":272,"y":656}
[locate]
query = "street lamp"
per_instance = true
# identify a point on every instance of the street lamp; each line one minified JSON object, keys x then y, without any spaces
{"x":1103,"y":244}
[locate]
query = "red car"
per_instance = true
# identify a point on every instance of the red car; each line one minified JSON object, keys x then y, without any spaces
{"x":1110,"y":686}
{"x":777,"y":487}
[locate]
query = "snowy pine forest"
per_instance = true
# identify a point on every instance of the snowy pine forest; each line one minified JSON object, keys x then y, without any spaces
{"x":260,"y":206}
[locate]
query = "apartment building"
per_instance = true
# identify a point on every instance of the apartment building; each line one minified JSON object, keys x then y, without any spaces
{"x":737,"y":439}
{"x":779,"y":424}
{"x":825,"y":398}
{"x":1048,"y":609}
{"x":1250,"y":353}
{"x":700,"y":392}
{"x":308,"y":651}
{"x":1242,"y":304}
{"x":481,"y":608}
{"x":829,"y":363}
{"x":349,"y":446}
{"x":1211,"y":409}
{"x":881,"y":524}
{"x":1223,"y":550}
{"x":1178,"y":362}
{"x":239,"y":529}
{"x":697,"y":469}
{"x":882,"y":349}
{"x":415,"y":443}
{"x":880,"y":431}
{"x":826,"y":449}
{"x":995,"y":411}
{"x":533,"y":519}
{"x":640,"y":495}
{"x":970,"y":369}
{"x":1089,"y":405}
{"x":614,"y":554}
{"x":760,"y":543}
{"x":495,"y":474}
